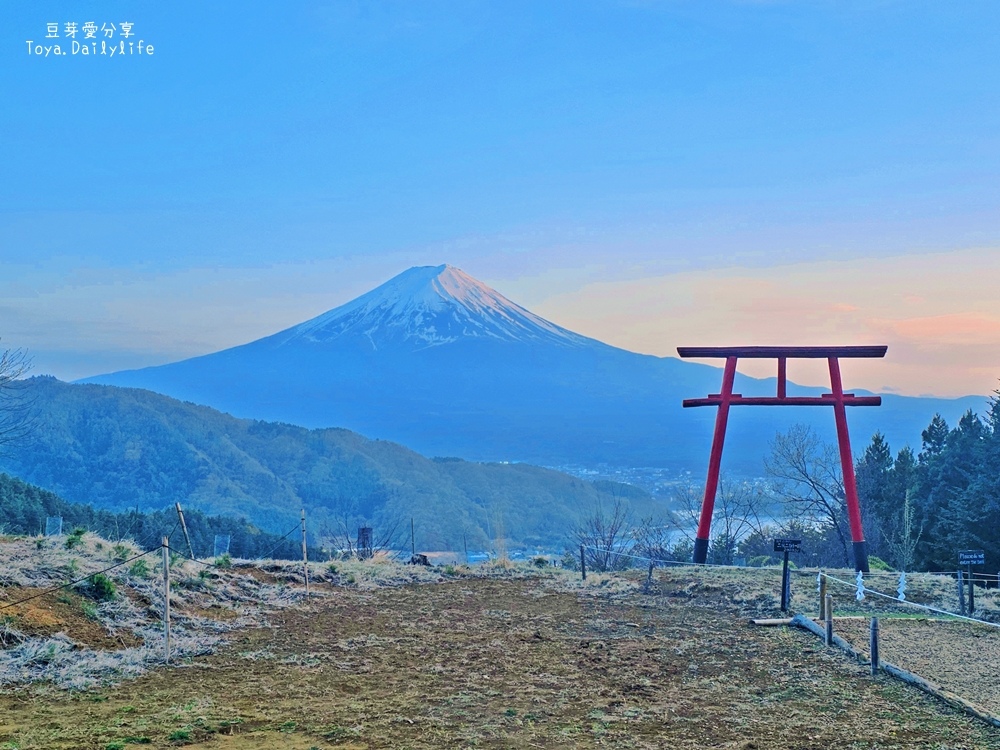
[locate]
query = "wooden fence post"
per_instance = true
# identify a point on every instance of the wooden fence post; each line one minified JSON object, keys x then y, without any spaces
{"x":972,"y":594}
{"x":829,"y":619}
{"x":961,"y":594}
{"x":166,"y":600}
{"x":873,"y":645}
{"x":583,"y":565}
{"x":184,"y":528}
{"x":305,"y":555}
{"x":822,"y":596}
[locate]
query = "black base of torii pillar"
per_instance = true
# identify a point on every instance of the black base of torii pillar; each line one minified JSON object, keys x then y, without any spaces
{"x":837,"y":399}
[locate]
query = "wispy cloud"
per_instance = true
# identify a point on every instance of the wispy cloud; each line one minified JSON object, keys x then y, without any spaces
{"x":939,"y":313}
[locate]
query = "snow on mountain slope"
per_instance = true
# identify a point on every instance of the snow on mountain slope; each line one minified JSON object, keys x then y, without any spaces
{"x":429,"y":306}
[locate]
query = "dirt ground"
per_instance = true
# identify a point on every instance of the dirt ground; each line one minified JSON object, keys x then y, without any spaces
{"x":959,"y":656}
{"x":61,"y":612}
{"x":500,"y":663}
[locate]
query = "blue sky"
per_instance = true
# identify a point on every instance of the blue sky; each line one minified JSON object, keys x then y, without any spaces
{"x":271,"y":160}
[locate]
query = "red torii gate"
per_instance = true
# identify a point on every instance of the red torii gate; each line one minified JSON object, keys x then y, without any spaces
{"x":837,"y":399}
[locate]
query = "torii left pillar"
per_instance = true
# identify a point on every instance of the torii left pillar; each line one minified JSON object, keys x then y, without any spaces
{"x":836,"y":398}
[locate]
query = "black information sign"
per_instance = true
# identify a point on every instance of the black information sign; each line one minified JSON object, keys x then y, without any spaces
{"x":787,"y":545}
{"x":968,"y":557}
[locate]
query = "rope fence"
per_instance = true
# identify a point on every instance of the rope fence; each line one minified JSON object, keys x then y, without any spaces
{"x":660,"y":561}
{"x":903,"y":601}
{"x":859,"y":585}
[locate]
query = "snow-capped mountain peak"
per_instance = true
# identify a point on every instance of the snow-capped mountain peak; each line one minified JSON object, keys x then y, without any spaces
{"x":430,"y":306}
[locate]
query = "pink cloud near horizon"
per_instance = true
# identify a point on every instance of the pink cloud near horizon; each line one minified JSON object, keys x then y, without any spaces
{"x":939,"y":314}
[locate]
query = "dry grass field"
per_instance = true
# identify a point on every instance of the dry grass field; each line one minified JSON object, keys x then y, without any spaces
{"x":386,"y":656}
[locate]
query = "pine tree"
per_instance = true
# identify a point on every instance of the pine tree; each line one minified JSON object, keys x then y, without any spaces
{"x":948,"y":469}
{"x":873,"y":472}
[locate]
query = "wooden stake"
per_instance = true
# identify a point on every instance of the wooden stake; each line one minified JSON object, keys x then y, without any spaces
{"x":822,"y":596}
{"x":873,"y":645}
{"x":184,"y":528}
{"x":166,"y":600}
{"x":829,"y":619}
{"x":583,"y":565}
{"x":305,"y":555}
{"x":961,"y":594}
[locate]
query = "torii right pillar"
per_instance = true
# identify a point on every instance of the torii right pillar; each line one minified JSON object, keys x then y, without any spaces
{"x":836,"y":398}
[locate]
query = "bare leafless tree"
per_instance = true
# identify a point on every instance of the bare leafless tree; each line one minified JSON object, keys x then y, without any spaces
{"x":653,"y":537}
{"x":737,"y":513}
{"x":605,"y":535}
{"x":14,"y":401}
{"x":387,"y":537}
{"x":808,"y":479}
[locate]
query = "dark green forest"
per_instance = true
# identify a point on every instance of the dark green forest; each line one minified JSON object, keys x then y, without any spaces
{"x":25,"y":507}
{"x":919,"y":509}
{"x":118,"y":449}
{"x":924,"y":508}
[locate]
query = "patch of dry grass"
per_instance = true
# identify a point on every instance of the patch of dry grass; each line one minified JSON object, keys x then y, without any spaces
{"x":509,"y":662}
{"x":487,"y":656}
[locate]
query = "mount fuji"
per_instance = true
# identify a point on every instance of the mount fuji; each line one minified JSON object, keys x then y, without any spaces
{"x":442,"y":363}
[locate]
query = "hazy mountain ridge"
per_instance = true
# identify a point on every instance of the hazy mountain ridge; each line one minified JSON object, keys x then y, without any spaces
{"x":441,"y":363}
{"x":115,"y":448}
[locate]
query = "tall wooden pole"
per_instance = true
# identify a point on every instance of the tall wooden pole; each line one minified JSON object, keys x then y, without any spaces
{"x":166,"y":600}
{"x":184,"y":528}
{"x":784,"y":584}
{"x":305,"y":555}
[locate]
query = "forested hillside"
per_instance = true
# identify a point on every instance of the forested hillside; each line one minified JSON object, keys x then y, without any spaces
{"x":24,"y":509}
{"x":117,"y":448}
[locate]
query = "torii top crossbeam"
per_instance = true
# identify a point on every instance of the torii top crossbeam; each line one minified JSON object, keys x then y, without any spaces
{"x":837,"y":399}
